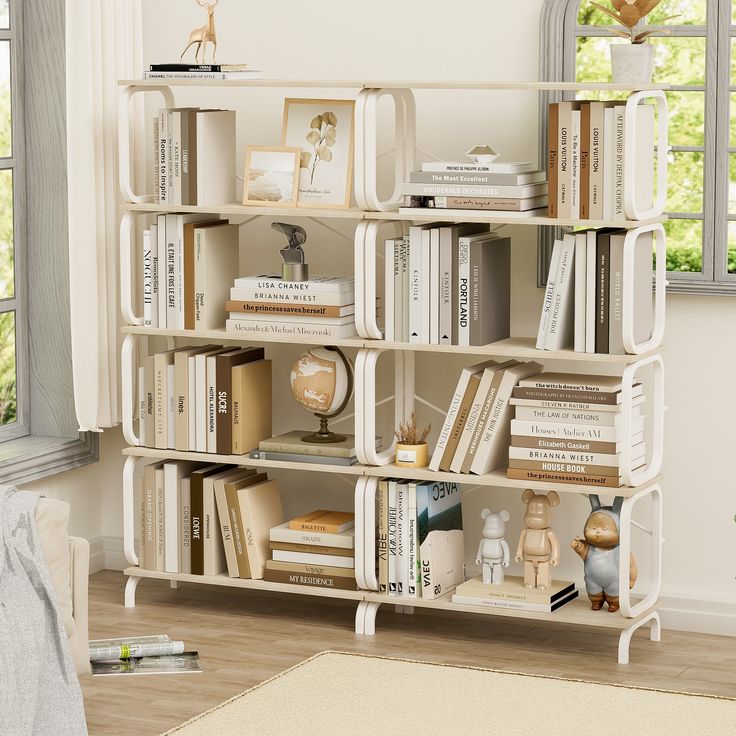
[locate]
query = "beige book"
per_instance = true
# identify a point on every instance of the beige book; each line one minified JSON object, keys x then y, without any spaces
{"x":189,"y":294}
{"x":214,"y":562}
{"x":292,"y":442}
{"x":148,"y":374}
{"x":512,"y":588}
{"x":159,"y":534}
{"x":321,"y":520}
{"x":460,"y":420}
{"x":161,"y":361}
{"x":231,"y":533}
{"x":148,"y":559}
{"x":237,"y":522}
{"x":260,"y":508}
{"x":316,"y":549}
{"x":215,"y":157}
{"x":251,"y":405}
{"x":215,"y":264}
{"x":181,"y":394}
{"x":307,"y":569}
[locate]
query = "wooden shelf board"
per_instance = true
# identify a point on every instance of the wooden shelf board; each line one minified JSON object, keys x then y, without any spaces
{"x":394,"y":84}
{"x":228,"y":582}
{"x":512,"y":347}
{"x":576,"y":612}
{"x":247,"y":210}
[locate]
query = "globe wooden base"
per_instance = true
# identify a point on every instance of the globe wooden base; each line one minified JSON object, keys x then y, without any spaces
{"x":324,"y":435}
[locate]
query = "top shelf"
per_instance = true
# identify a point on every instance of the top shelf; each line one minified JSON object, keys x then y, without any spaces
{"x":400,"y":84}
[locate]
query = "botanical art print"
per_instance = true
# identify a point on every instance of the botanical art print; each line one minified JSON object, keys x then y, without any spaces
{"x":323,"y":129}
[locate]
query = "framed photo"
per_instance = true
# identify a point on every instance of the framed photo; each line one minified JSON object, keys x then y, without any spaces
{"x":271,"y":176}
{"x":323,"y":129}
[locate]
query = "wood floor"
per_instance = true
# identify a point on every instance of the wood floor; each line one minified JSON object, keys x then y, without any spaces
{"x":244,"y":637}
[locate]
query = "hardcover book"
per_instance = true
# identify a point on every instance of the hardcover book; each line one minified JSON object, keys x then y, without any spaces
{"x":321,"y":520}
{"x":251,"y":405}
{"x":317,"y":581}
{"x":282,"y":533}
{"x":260,"y":508}
{"x":215,"y":261}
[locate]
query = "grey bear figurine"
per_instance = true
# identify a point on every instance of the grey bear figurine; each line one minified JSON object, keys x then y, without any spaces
{"x":600,"y":554}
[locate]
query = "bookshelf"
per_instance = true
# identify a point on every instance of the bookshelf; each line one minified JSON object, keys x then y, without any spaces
{"x":371,"y":214}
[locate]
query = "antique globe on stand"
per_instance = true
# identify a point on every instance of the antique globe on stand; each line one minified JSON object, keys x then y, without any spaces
{"x":322,"y":382}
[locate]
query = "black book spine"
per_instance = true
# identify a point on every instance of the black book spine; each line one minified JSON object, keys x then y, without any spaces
{"x":184,"y":67}
{"x":603,"y":256}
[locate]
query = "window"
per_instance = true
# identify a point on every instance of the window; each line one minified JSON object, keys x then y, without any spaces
{"x":691,"y":54}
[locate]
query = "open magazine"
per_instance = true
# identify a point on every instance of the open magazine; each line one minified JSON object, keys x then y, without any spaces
{"x":183,"y":663}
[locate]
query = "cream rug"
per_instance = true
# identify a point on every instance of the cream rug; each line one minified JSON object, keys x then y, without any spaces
{"x":356,"y":695}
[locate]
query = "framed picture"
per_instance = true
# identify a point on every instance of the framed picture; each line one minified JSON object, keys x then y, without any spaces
{"x":323,"y":129}
{"x":271,"y":176}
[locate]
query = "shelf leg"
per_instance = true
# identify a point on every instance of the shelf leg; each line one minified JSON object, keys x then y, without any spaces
{"x":624,"y":640}
{"x":365,"y":618}
{"x":130,"y":587}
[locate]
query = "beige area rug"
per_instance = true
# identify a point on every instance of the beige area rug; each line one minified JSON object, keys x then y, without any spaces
{"x":356,"y":695}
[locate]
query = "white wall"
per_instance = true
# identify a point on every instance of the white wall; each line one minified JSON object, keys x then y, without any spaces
{"x":468,"y":39}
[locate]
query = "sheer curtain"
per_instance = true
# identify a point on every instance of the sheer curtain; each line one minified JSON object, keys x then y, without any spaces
{"x":103,"y":44}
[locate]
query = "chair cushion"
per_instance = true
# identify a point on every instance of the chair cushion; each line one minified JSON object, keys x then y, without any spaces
{"x":52,"y":522}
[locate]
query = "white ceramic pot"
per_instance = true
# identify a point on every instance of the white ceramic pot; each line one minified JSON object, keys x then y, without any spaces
{"x":632,"y":63}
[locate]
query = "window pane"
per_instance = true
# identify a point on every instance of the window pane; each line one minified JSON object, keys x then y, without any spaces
{"x":4,"y":14}
{"x":689,"y":12}
{"x":732,"y":247}
{"x":5,"y":135}
{"x":593,"y":62}
{"x":732,"y":184}
{"x":8,"y":396}
{"x":685,"y":182}
{"x":7,"y":275}
{"x":686,"y":118}
{"x":684,"y":245}
{"x":679,"y":60}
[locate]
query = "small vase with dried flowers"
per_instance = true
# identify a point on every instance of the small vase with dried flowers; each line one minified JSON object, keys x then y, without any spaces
{"x":411,"y":444}
{"x":633,"y":62}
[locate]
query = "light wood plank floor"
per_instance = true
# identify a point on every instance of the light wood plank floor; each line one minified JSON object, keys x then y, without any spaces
{"x":244,"y":637}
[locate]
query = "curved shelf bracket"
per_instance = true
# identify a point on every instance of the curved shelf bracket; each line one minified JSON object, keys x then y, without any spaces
{"x":365,"y":533}
{"x":126,"y":279}
{"x":129,"y":476}
{"x":127,"y":365}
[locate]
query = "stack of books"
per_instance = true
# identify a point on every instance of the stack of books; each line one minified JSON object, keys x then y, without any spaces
{"x":188,"y":263}
{"x":586,"y":290}
{"x":586,"y":159}
{"x":513,"y":188}
{"x":202,"y":71}
{"x":447,"y":285}
{"x":194,"y":156}
{"x":475,"y":434}
{"x":206,"y":519}
{"x":568,"y":429}
{"x":262,"y":305}
{"x":513,"y":595}
{"x":317,"y":549}
{"x":420,"y":538}
{"x":207,"y":398}
{"x":290,"y":447}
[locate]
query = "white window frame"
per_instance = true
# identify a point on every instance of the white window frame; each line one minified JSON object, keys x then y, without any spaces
{"x":559,"y":32}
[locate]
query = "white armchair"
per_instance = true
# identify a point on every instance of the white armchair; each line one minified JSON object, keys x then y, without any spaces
{"x":68,"y":562}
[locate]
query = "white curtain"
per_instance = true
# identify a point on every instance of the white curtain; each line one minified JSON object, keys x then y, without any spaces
{"x":103,"y":45}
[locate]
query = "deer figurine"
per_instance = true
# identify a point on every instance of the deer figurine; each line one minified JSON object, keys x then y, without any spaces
{"x":202,"y":35}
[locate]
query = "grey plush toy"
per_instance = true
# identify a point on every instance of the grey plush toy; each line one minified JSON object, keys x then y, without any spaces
{"x":601,"y":555}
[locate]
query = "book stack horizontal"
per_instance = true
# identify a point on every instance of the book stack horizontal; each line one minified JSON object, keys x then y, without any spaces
{"x":586,"y":159}
{"x":263,"y":305}
{"x":568,"y":428}
{"x":420,"y":538}
{"x":586,"y":291}
{"x":317,"y":550}
{"x":511,"y":594}
{"x":290,"y":447}
{"x":206,"y":519}
{"x":201,"y":71}
{"x":475,"y":434}
{"x":194,"y":156}
{"x":447,"y":285}
{"x":516,"y":189}
{"x":188,"y":263}
{"x":207,"y":398}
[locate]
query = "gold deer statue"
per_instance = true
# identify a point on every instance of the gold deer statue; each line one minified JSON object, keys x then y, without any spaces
{"x":202,"y":35}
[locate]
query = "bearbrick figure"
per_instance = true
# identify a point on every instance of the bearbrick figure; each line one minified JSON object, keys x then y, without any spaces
{"x":493,"y":551}
{"x":538,"y":547}
{"x":601,"y":554}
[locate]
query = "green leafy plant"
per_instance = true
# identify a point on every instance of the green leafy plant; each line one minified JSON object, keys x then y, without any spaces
{"x":321,"y":136}
{"x":408,"y":434}
{"x":629,"y":13}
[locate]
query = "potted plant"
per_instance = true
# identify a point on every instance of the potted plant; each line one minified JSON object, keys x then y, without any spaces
{"x":633,"y":62}
{"x":411,"y":444}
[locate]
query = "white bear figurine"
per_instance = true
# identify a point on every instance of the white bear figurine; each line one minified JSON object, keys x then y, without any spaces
{"x":493,"y":551}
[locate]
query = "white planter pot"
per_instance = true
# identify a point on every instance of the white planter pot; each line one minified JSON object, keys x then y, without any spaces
{"x":632,"y":63}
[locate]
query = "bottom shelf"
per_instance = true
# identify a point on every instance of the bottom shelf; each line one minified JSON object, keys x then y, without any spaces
{"x":577,"y":612}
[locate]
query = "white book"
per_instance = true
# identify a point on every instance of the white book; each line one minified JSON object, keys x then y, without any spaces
{"x":574,"y":416}
{"x":567,"y":456}
{"x":174,"y":307}
{"x":505,"y":603}
{"x":446,"y":283}
{"x":275,"y":284}
{"x":161,"y":238}
{"x":289,"y":319}
{"x":147,"y":281}
{"x":211,"y":402}
{"x":142,"y":405}
{"x":495,"y":167}
{"x":154,"y":276}
{"x":581,"y":283}
{"x":393,"y":586}
{"x":192,"y":403}
{"x":591,"y":284}
{"x":562,"y":430}
{"x":433,"y":313}
{"x":319,"y":298}
{"x":618,"y":163}
{"x":560,"y":326}
{"x":404,"y":289}
{"x":215,"y":140}
{"x":200,"y":399}
{"x":413,"y":588}
{"x":390,"y":274}
{"x":282,"y":533}
{"x":310,"y":558}
{"x":257,"y":329}
{"x":502,"y":215}
{"x":185,"y":542}
{"x":163,"y":159}
{"x":548,"y":295}
{"x":575,"y":164}
{"x":170,"y":407}
{"x":402,"y":539}
{"x":491,"y":452}
{"x":244,"y":74}
{"x":415,"y":282}
{"x":175,"y":123}
{"x":463,"y":285}
{"x":609,"y":158}
{"x":576,"y":405}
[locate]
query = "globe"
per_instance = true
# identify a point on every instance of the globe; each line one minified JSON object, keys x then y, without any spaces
{"x":320,"y":381}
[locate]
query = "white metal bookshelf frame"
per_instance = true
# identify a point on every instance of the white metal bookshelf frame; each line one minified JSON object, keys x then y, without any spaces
{"x":372,"y":216}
